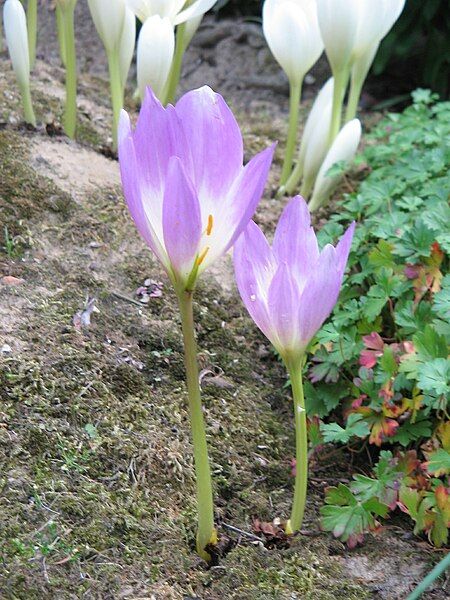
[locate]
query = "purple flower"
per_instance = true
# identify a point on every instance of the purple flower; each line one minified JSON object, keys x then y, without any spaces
{"x":291,"y":288}
{"x":184,"y":181}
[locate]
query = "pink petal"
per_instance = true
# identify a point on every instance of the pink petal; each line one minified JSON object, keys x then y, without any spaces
{"x":158,"y":137}
{"x":283,"y":301}
{"x":319,"y":294}
{"x":215,"y":142}
{"x":130,"y":180}
{"x":344,"y":246}
{"x":254,"y":266}
{"x":244,"y":196}
{"x":182,"y":224}
{"x":295,"y":241}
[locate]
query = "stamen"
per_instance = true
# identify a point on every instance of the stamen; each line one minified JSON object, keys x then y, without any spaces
{"x":210,"y":225}
{"x":201,"y":257}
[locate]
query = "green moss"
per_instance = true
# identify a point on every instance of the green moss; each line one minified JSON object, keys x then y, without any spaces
{"x":257,"y":574}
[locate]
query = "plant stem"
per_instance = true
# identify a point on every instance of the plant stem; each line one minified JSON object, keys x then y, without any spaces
{"x":32,"y":30}
{"x":353,"y":98}
{"x":294,"y":178}
{"x":27,"y":105}
{"x":175,"y":71}
{"x":116,"y":90}
{"x":70,"y":116}
{"x":301,"y":447}
{"x":60,"y":31}
{"x":307,"y":186}
{"x":340,"y":84}
{"x":438,"y":570}
{"x":206,"y":533}
{"x":295,"y":93}
{"x":360,"y":69}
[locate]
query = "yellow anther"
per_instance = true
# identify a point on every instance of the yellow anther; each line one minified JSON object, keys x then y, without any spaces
{"x":201,"y":256}
{"x":210,"y":225}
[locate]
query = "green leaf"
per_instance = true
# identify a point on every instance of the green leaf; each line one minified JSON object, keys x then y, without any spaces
{"x":321,"y":399}
{"x":388,"y":362}
{"x":355,"y":427}
{"x":439,"y":461}
{"x":434,"y":376}
{"x":373,"y":303}
{"x":410,"y":432}
{"x":441,"y":302}
{"x":346,"y":517}
{"x":381,"y":255}
{"x":429,"y":344}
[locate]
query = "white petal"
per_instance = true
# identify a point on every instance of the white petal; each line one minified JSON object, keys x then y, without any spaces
{"x":317,"y":147}
{"x":338,"y":22}
{"x":343,"y":148}
{"x":200,"y":7}
{"x":190,"y":29}
{"x":15,"y":24}
{"x":155,"y":49}
{"x":108,"y":18}
{"x":127,"y":43}
{"x":323,"y":99}
{"x":141,"y":8}
{"x":293,"y":35}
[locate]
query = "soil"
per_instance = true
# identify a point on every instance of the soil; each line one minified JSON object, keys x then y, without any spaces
{"x":96,"y":474}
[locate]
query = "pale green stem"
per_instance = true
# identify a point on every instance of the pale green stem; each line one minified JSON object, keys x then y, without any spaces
{"x":206,"y":533}
{"x":340,"y":85}
{"x":294,"y":178}
{"x":27,"y":105}
{"x":175,"y":71}
{"x":307,"y":186}
{"x":116,"y":90}
{"x":70,"y":116}
{"x":294,"y":106}
{"x":60,"y":31}
{"x":301,"y":447}
{"x":353,"y":97}
{"x":32,"y":30}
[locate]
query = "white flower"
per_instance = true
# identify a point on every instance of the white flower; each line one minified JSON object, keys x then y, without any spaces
{"x":15,"y":23}
{"x":155,"y":49}
{"x":127,"y":43}
{"x":343,"y":149}
{"x":292,"y":33}
{"x":338,"y":22}
{"x":108,"y":18}
{"x":170,"y":9}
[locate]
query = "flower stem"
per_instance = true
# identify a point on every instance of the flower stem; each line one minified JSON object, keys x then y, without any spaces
{"x":175,"y":71}
{"x":32,"y":30}
{"x":27,"y":105}
{"x":301,"y":448}
{"x":206,"y":533}
{"x":294,"y":178}
{"x":353,"y":98}
{"x":340,"y":85}
{"x":70,"y":116}
{"x":60,"y":31}
{"x":294,"y":105}
{"x":307,"y":186}
{"x":116,"y":90}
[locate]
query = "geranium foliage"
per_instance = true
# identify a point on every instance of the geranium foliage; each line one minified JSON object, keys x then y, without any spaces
{"x":380,"y":367}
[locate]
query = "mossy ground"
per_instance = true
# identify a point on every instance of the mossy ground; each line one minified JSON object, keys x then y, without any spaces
{"x":96,"y":474}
